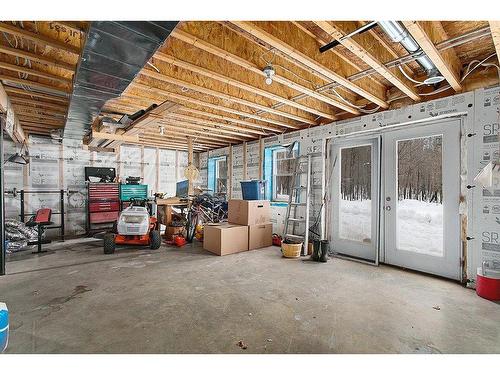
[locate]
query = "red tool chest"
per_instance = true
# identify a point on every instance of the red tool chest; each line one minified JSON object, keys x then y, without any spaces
{"x":103,"y":203}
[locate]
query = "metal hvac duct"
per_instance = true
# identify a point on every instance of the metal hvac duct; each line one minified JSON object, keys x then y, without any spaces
{"x":113,"y":54}
{"x":398,"y":34}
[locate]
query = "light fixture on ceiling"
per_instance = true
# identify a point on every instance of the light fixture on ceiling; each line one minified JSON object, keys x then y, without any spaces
{"x":434,"y":77}
{"x":269,"y":72}
{"x":162,"y":130}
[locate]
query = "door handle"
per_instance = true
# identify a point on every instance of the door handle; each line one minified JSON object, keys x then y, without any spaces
{"x":388,"y":208}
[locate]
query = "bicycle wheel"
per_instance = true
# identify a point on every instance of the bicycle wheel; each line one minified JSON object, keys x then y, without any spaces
{"x":192,"y":220}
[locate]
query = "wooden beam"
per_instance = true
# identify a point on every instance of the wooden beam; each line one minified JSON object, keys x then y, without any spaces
{"x":39,"y":125}
{"x":115,"y":137}
{"x":29,"y":83}
{"x":174,"y":81}
{"x":214,"y":106}
{"x":150,"y":117}
{"x":218,"y":126}
{"x":307,"y":61}
{"x":193,"y":127}
{"x":249,"y":129}
{"x":37,"y":38}
{"x":36,"y":103}
{"x":214,"y":50}
{"x":170,"y":145}
{"x":32,"y":72}
{"x":183,"y":138}
{"x":225,"y":127}
{"x":40,"y":120}
{"x":40,"y":111}
{"x":37,"y":58}
{"x":14,"y":90}
{"x":73,"y":25}
{"x":371,"y":58}
{"x":241,"y":85}
{"x":429,"y":33}
{"x":495,"y":34}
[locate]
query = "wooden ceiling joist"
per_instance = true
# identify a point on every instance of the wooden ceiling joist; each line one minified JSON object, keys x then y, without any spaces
{"x":173,"y":131}
{"x":183,"y":138}
{"x":38,"y":104}
{"x":214,"y":50}
{"x":37,"y":85}
{"x":495,"y":34}
{"x":18,"y":91}
{"x":172,"y":145}
{"x":228,"y":127}
{"x":37,"y":58}
{"x":32,"y":72}
{"x":38,"y":124}
{"x":191,"y":125}
{"x":40,"y":111}
{"x":244,"y":86}
{"x":300,"y":57}
{"x":429,"y":33}
{"x":40,"y":120}
{"x":182,"y":98}
{"x":216,"y":126}
{"x":37,"y":38}
{"x":191,"y":86}
{"x":249,"y":126}
{"x":371,"y":58}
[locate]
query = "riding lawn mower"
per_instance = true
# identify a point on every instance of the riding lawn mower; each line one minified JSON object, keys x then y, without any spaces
{"x":135,"y":226}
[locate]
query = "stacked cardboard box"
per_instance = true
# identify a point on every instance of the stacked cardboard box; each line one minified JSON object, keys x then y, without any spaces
{"x":249,"y":228}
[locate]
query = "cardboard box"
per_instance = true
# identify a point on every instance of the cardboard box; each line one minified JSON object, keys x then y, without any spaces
{"x":171,"y":231}
{"x":248,"y":212}
{"x":223,"y":239}
{"x":260,"y":235}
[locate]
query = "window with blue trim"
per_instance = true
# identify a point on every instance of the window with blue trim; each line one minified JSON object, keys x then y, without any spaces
{"x":217,"y":175}
{"x":278,"y":171}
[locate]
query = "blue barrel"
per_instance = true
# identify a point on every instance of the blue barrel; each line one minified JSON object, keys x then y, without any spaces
{"x":4,"y":326}
{"x":254,"y":190}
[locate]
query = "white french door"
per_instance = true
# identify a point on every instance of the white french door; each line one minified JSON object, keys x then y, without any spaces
{"x":355,"y":197}
{"x":421,"y":198}
{"x":414,"y":222}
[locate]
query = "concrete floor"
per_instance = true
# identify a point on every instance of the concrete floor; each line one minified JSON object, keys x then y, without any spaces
{"x":78,"y":300}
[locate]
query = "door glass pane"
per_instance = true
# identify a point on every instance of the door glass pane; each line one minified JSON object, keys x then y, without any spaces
{"x":355,"y":216}
{"x":420,"y":195}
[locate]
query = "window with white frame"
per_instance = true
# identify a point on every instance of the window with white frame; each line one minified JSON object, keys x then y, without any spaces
{"x":282,"y":173}
{"x":221,"y":175}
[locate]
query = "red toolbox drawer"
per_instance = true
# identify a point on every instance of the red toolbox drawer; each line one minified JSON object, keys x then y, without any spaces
{"x":104,"y":206}
{"x":103,"y":217}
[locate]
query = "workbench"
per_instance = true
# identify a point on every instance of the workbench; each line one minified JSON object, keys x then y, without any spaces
{"x":165,"y":208}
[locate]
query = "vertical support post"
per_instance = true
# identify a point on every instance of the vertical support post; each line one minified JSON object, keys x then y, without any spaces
{"x":61,"y":208}
{"x":142,"y":163}
{"x":118,"y":163}
{"x":261,"y":158}
{"x":244,"y":160}
{"x":230,"y":173}
{"x":190,"y":162}
{"x":2,"y":213}
{"x":157,"y":187}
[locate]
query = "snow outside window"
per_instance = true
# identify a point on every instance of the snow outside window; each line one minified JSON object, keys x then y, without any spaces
{"x":282,"y":173}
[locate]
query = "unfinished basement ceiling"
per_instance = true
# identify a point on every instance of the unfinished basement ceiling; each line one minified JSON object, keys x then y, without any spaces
{"x":212,"y":71}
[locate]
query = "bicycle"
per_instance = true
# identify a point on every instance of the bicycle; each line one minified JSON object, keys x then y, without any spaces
{"x":204,"y":209}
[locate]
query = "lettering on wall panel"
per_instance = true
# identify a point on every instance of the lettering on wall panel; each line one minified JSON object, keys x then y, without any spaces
{"x":486,"y":149}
